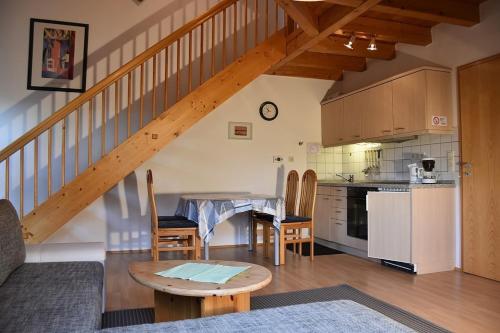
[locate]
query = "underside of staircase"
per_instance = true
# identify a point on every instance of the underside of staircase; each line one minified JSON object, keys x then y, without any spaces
{"x":204,"y":63}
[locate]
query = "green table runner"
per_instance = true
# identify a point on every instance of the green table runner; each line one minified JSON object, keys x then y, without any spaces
{"x":219,"y":274}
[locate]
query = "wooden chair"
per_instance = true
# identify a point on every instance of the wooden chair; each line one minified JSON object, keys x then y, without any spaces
{"x":171,"y":233}
{"x":293,"y":226}
{"x":266,"y":220}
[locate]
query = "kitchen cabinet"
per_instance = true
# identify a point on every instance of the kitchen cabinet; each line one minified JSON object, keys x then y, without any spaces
{"x":413,"y":103}
{"x":377,"y":112}
{"x":332,"y":116}
{"x":421,"y":102}
{"x":408,"y":103}
{"x":416,"y":227}
{"x":331,"y":214}
{"x":322,"y":216}
{"x":353,"y":113}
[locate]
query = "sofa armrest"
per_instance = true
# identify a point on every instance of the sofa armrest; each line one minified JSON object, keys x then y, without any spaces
{"x":62,"y":252}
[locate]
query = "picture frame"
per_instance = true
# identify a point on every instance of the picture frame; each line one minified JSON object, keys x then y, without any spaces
{"x":239,"y":131}
{"x":57,"y":59}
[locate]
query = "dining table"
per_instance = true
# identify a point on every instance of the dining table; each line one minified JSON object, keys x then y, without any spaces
{"x":210,"y":209}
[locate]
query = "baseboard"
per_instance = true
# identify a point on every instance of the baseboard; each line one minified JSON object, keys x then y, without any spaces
{"x":148,"y":250}
{"x":344,"y":248}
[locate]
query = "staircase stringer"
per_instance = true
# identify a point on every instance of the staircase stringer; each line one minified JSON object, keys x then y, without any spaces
{"x":133,"y":152}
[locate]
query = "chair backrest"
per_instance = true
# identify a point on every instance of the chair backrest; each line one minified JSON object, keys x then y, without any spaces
{"x":308,"y":194}
{"x":292,"y":190}
{"x":152,"y":200}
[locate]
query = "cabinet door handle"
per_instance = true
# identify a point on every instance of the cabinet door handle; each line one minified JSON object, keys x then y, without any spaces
{"x":338,"y":199}
{"x":338,"y":223}
{"x":356,"y":136}
{"x":326,"y":198}
{"x":399,"y":128}
{"x":338,"y":211}
{"x":340,"y":139}
{"x":386,"y":131}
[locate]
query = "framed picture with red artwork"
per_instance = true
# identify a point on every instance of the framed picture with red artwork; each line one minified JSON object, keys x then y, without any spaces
{"x":240,"y":131}
{"x":57,"y":58}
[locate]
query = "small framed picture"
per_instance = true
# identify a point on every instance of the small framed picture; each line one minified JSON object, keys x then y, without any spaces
{"x":240,"y":131}
{"x":57,"y":58}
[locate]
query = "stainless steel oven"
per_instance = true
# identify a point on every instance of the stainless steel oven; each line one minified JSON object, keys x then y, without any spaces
{"x":357,"y":217}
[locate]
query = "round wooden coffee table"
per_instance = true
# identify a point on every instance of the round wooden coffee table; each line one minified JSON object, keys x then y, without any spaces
{"x":177,"y":299}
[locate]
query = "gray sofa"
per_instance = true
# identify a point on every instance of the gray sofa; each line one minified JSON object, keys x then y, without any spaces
{"x":67,"y":297}
{"x":44,"y":297}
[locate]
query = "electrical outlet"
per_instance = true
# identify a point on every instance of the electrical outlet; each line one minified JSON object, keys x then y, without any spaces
{"x":291,"y":159}
{"x":277,"y":159}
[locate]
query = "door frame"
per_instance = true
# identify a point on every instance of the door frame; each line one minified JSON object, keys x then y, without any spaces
{"x":460,"y":169}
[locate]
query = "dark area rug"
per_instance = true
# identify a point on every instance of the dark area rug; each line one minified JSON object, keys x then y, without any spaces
{"x":319,"y":250}
{"x":146,"y":316}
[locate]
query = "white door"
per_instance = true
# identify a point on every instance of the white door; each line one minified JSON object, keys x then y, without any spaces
{"x":389,"y":225}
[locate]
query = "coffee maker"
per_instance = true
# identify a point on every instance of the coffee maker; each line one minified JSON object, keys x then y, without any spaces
{"x":428,"y":176}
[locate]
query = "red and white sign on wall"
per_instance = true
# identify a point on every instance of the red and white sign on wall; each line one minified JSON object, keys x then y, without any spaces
{"x":439,"y":120}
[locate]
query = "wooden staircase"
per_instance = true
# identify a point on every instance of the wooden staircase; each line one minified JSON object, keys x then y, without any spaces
{"x":204,"y":63}
{"x":85,"y":148}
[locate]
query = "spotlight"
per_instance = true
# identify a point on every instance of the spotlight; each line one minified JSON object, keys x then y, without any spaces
{"x":350,"y":43}
{"x":373,"y":45}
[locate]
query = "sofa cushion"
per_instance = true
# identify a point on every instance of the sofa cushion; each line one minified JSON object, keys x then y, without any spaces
{"x":52,"y":297}
{"x":334,"y":316}
{"x":11,"y":240}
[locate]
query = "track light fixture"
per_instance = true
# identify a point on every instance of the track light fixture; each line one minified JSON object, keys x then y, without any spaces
{"x":350,"y":43}
{"x":373,"y":45}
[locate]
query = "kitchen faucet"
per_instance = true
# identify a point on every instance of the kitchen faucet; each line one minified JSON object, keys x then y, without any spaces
{"x":350,"y":179}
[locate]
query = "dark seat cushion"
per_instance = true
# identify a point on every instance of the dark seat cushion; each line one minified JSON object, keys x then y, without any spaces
{"x":12,"y":250}
{"x":288,"y":219}
{"x":175,"y":222}
{"x":52,"y":297}
{"x":264,"y":216}
{"x":292,"y":219}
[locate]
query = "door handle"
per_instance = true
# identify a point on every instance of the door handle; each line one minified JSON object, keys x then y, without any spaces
{"x":467,"y":167}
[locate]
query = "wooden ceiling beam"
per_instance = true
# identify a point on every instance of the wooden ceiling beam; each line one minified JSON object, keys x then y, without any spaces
{"x":329,"y":62}
{"x":439,"y":11}
{"x":302,"y":15}
{"x":329,"y":22}
{"x":335,"y":45}
{"x":390,"y":31}
{"x":307,"y":72}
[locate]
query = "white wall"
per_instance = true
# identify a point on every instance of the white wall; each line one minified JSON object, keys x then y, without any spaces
{"x":452,"y":46}
{"x":118,"y":30}
{"x":204,"y":160}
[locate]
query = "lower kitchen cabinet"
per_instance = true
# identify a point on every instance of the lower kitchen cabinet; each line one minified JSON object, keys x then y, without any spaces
{"x":338,"y":231}
{"x":322,"y":216}
{"x":331,"y":214}
{"x":416,"y":227}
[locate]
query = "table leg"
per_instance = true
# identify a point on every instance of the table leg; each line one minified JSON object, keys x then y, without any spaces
{"x":276,"y":247}
{"x":205,"y":250}
{"x":250,"y":231}
{"x":169,"y":307}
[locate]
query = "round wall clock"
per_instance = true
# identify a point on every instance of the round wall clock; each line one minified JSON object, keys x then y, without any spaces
{"x":268,"y":111}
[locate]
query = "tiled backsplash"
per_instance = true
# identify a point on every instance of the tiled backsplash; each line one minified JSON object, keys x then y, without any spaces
{"x":394,"y":158}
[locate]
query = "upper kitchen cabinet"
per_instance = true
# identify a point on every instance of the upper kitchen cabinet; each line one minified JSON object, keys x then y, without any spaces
{"x":412,"y":103}
{"x":353,"y":113}
{"x":332,"y":115}
{"x":408,"y":103}
{"x":422,"y":103}
{"x":377,"y":111}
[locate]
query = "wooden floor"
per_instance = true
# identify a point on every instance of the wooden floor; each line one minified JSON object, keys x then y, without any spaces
{"x":456,"y":301}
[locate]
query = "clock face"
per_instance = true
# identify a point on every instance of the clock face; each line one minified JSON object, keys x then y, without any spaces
{"x":268,"y":111}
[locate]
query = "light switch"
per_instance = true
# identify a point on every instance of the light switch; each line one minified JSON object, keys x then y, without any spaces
{"x":291,"y":159}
